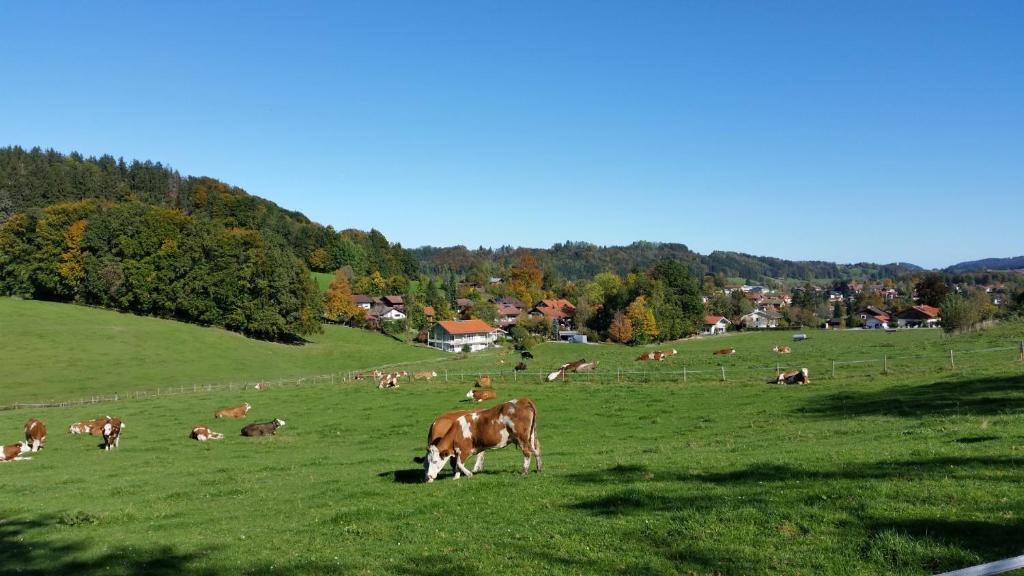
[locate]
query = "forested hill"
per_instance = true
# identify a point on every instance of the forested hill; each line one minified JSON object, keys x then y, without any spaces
{"x":579,"y":260}
{"x":138,"y":236}
{"x":1015,"y":263}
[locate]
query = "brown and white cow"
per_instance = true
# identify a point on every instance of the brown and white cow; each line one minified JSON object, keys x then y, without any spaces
{"x":202,"y":433}
{"x":481,"y":395}
{"x":439,"y":427}
{"x":112,"y":433}
{"x":794,"y":377}
{"x":484,"y":381}
{"x":390,"y":379}
{"x":233,"y":412}
{"x":15,"y":451}
{"x":86,"y":427}
{"x":35,"y":433}
{"x":588,"y":366}
{"x":424,"y":375}
{"x":724,"y":352}
{"x":513,"y":421}
{"x":261,"y":386}
{"x":781,"y":349}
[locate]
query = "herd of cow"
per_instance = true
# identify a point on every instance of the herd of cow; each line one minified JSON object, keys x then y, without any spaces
{"x":110,"y":428}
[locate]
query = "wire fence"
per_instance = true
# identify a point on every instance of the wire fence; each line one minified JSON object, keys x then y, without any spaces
{"x":665,"y":372}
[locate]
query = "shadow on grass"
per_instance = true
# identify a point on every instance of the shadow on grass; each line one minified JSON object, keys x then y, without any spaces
{"x":994,"y":395}
{"x":27,"y":548}
{"x":407,"y":476}
{"x":437,"y":565}
{"x":939,"y":545}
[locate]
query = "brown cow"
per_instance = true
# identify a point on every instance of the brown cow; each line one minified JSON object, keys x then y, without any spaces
{"x":657,"y":355}
{"x":484,"y":382}
{"x":35,"y":433}
{"x":513,"y":421}
{"x":794,"y":377}
{"x":112,"y":433}
{"x":390,"y":380}
{"x":262,"y":386}
{"x":233,"y":412}
{"x":588,"y":366}
{"x":481,"y":395}
{"x":424,"y":375}
{"x":440,"y":427}
{"x":781,"y":349}
{"x":15,"y":451}
{"x":202,"y":433}
{"x":724,"y":352}
{"x":86,"y":427}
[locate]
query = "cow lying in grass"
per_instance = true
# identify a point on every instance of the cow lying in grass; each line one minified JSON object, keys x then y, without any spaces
{"x":656,"y":355}
{"x":13,"y":452}
{"x":202,"y":434}
{"x":263,"y":428}
{"x":794,"y":377}
{"x":425,"y":375}
{"x":439,"y":427}
{"x":481,"y":395}
{"x":233,"y":412}
{"x":724,"y":352}
{"x":780,"y":349}
{"x":513,"y":421}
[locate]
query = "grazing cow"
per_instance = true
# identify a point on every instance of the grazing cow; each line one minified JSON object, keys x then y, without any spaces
{"x":513,"y":421}
{"x":234,"y":412}
{"x":794,"y":377}
{"x":587,"y":366}
{"x":263,"y":428}
{"x":724,"y":352}
{"x":520,"y":367}
{"x":424,"y":375}
{"x":439,"y":427}
{"x":112,"y":433}
{"x":481,"y":395}
{"x":202,"y":433}
{"x":484,"y":382}
{"x":15,"y":451}
{"x":35,"y":433}
{"x":526,"y":354}
{"x":781,"y":349}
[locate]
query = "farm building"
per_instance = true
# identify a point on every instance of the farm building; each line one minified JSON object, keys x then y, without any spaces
{"x":365,"y":302}
{"x":454,"y":335}
{"x":920,"y":316}
{"x":561,"y":310}
{"x":714,"y":325}
{"x":382,"y":312}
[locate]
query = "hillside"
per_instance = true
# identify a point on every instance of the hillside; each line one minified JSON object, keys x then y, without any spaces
{"x":60,"y":351}
{"x":582,"y":260}
{"x":1012,"y":263}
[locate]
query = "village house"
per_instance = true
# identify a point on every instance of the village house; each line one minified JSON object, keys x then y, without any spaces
{"x":508,"y":315}
{"x":454,"y":335}
{"x":561,"y":310}
{"x":760,"y":319}
{"x":428,"y":313}
{"x":365,"y":302}
{"x":874,"y":318}
{"x":919,"y":316}
{"x":714,"y":325}
{"x":382,"y":312}
{"x":395,"y":302}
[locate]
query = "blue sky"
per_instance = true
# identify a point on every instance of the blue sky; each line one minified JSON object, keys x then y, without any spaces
{"x":858,"y":131}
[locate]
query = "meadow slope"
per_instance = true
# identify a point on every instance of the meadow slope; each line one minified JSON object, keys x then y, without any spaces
{"x":914,"y":472}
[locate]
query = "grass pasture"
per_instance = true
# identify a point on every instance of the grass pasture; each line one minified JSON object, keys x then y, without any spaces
{"x":914,"y":472}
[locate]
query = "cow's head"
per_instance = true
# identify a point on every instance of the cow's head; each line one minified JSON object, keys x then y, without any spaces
{"x":469,"y":394}
{"x":24,"y":448}
{"x":247,"y":406}
{"x":435,"y":460}
{"x":279,"y":422}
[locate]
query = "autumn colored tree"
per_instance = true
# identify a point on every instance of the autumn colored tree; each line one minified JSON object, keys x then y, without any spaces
{"x":645,"y":328}
{"x":621,"y":329}
{"x":338,"y":301}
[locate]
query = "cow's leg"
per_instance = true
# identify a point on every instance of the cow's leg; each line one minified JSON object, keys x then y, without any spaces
{"x":536,"y":452}
{"x":461,"y":465}
{"x":479,"y":464}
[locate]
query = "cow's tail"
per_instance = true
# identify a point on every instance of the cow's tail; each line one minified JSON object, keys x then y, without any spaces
{"x":534,"y":445}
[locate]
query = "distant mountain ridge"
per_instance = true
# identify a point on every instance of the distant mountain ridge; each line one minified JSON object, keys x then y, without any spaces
{"x":1010,"y":263}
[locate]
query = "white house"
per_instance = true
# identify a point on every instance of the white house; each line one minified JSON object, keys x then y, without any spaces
{"x":454,"y":335}
{"x":760,"y":319}
{"x":714,"y":325}
{"x":383,"y":312}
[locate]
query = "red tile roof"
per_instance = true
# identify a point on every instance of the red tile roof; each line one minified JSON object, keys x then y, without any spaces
{"x":711,"y":320}
{"x":927,"y":310}
{"x":465,"y":326}
{"x":428,"y":311}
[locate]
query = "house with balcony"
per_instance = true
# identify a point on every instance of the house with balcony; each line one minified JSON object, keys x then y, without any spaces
{"x":454,"y":335}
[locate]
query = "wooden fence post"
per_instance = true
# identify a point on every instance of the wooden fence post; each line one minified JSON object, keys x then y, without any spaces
{"x":952,"y":364}
{"x":833,"y":369}
{"x":684,"y":374}
{"x":885,"y":364}
{"x":723,"y":373}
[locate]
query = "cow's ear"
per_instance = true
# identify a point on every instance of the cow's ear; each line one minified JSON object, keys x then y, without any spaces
{"x":418,"y":459}
{"x":435,"y":442}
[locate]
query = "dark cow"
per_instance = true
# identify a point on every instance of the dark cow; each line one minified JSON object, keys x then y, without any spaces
{"x":513,"y":421}
{"x":521,"y":366}
{"x":724,"y":352}
{"x":794,"y":377}
{"x":263,"y":428}
{"x":112,"y":433}
{"x":35,"y":433}
{"x":526,"y":354}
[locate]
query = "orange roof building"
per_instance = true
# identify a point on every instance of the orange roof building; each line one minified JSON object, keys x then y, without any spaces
{"x":456,"y":335}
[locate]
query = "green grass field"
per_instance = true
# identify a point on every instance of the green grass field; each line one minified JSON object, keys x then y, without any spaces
{"x":914,"y":472}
